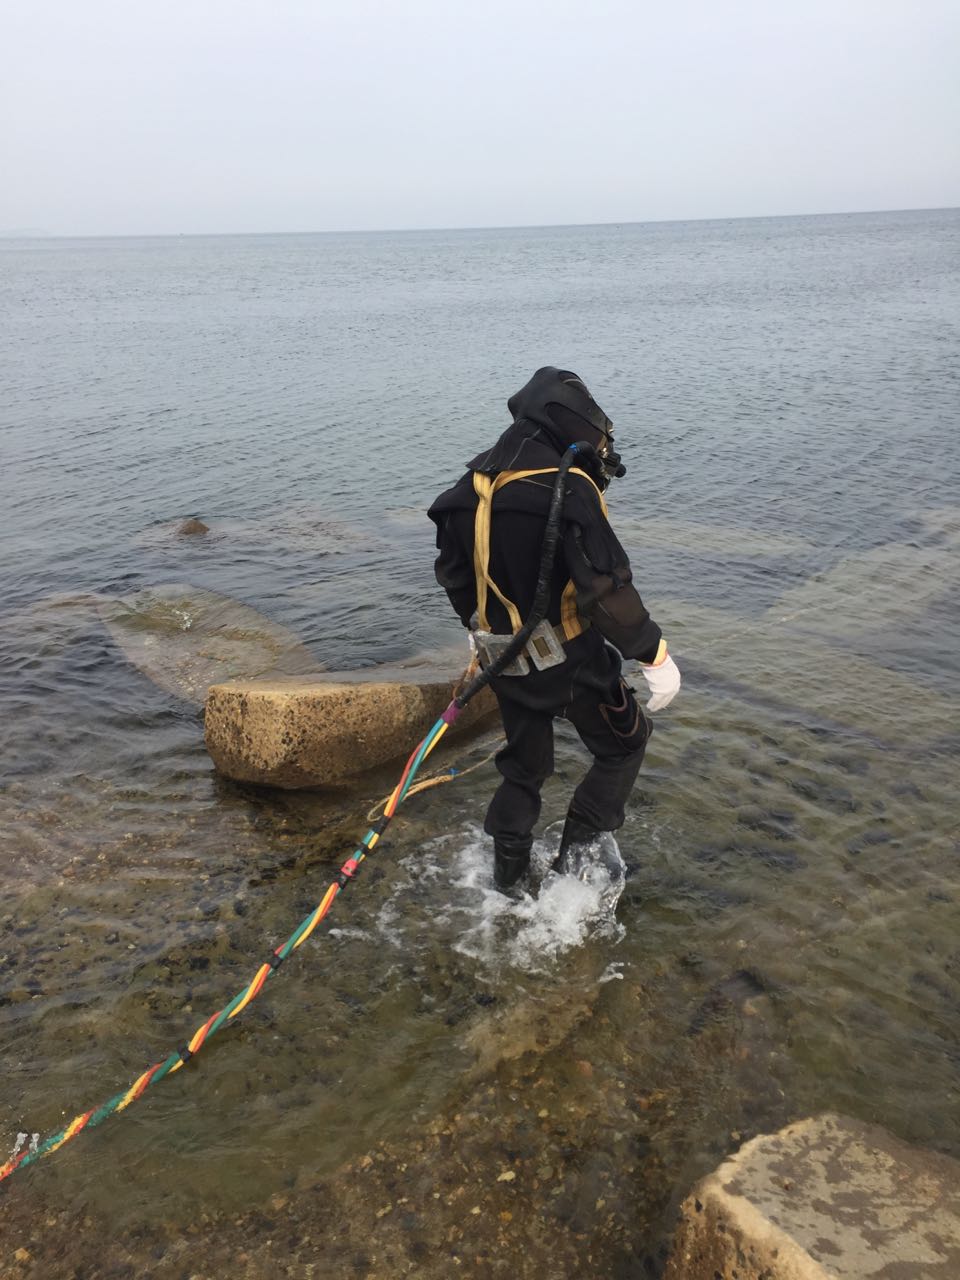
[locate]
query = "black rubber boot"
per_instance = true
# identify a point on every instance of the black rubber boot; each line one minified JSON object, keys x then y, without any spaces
{"x":576,"y":835}
{"x":510,"y":861}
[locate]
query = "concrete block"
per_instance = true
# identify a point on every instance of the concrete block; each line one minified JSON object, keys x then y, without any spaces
{"x":326,"y":729}
{"x":827,"y":1198}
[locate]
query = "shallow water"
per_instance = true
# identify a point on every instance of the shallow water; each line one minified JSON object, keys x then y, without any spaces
{"x":785,"y":939}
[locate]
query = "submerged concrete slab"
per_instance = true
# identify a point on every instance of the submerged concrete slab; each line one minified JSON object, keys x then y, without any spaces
{"x":827,"y":1198}
{"x":185,"y":638}
{"x":331,"y":727}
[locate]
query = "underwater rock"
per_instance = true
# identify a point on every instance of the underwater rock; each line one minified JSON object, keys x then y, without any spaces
{"x":327,"y":729}
{"x":893,"y":586}
{"x":529,"y":1025}
{"x":185,"y":639}
{"x":824,"y":1197}
{"x":729,"y":995}
{"x":191,"y":527}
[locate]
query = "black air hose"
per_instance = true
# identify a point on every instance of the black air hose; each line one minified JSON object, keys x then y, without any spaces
{"x":541,"y":598}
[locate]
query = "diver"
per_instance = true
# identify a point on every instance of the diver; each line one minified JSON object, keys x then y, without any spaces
{"x":490,"y":526}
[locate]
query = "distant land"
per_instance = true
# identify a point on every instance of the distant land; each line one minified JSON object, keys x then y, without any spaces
{"x":39,"y":233}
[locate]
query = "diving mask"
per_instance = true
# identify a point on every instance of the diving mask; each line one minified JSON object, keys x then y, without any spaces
{"x":613,"y":468}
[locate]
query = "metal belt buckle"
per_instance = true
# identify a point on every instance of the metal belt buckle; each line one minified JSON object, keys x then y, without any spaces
{"x":544,"y":648}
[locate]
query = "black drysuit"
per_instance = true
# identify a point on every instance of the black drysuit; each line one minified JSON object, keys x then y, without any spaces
{"x":587,"y":688}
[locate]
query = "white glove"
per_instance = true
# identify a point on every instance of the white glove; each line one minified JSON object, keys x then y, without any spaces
{"x":663,"y":680}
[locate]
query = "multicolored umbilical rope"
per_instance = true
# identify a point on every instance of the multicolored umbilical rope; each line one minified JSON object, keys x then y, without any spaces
{"x":120,"y":1101}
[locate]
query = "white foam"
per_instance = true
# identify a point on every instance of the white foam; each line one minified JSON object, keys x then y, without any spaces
{"x":551,"y":915}
{"x":348,"y":931}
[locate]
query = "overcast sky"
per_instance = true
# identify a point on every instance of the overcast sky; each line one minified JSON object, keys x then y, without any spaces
{"x":139,"y":116}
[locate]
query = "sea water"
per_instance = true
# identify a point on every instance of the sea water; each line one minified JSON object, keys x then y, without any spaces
{"x":783,"y":938}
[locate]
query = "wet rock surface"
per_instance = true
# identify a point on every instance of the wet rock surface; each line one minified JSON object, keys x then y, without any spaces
{"x":825,"y":1197}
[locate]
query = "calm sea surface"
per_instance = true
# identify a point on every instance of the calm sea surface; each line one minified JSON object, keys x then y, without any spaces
{"x":786,"y":394}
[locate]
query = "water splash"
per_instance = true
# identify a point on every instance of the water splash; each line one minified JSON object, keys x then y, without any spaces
{"x":550,"y":915}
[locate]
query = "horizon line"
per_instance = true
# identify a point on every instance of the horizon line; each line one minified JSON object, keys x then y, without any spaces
{"x":518,"y":226}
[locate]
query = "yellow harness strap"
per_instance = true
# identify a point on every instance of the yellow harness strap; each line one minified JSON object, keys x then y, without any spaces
{"x":485,"y":487}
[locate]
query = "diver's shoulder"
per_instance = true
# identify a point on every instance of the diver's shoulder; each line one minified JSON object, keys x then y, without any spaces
{"x":456,"y":497}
